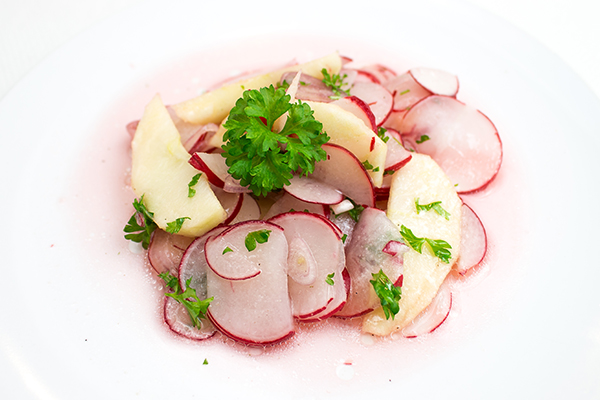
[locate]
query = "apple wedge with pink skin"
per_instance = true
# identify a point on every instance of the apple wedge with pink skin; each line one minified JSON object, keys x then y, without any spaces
{"x":160,"y":172}
{"x":365,"y":255}
{"x":315,"y":250}
{"x":422,"y":180}
{"x":473,"y":241}
{"x":256,"y":311}
{"x":350,"y":132}
{"x":462,"y":140}
{"x":343,"y":171}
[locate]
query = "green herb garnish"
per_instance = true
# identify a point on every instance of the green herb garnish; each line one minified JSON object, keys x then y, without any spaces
{"x":256,"y":237}
{"x":435,"y":206}
{"x":262,"y":159}
{"x":422,"y":139}
{"x":227,"y":250}
{"x":140,"y":233}
{"x":193,"y":182}
{"x":329,"y":279}
{"x":335,"y":83}
{"x":389,"y":295}
{"x":175,"y":226}
{"x":355,"y":211}
{"x":195,"y":307}
{"x":381,"y":133}
{"x":440,"y":248}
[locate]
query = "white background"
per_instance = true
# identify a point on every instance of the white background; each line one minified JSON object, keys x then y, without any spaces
{"x":32,"y":29}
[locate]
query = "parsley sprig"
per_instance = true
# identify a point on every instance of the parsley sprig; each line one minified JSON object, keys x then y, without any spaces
{"x":140,"y":232}
{"x":440,"y":248}
{"x":335,"y":83}
{"x":262,"y":159}
{"x":435,"y":206}
{"x":195,"y":307}
{"x":389,"y":294}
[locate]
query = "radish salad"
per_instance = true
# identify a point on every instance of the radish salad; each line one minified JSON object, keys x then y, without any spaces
{"x":318,"y":190}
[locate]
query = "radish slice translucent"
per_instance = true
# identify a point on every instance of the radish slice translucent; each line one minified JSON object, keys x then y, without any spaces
{"x":341,"y":287}
{"x":379,"y":99}
{"x":213,"y":165}
{"x":256,"y":311}
{"x":312,"y":190}
{"x":365,"y":255}
{"x":200,"y":140}
{"x":463,"y":141}
{"x":380,"y":72}
{"x":324,"y":251}
{"x":406,"y":91}
{"x":287,"y":203}
{"x":345,"y":172}
{"x":431,"y":317}
{"x":179,"y":321}
{"x":165,"y":251}
{"x":436,"y":81}
{"x":310,"y":88}
{"x":473,"y":241}
{"x":397,"y":156}
{"x":250,"y":210}
{"x":359,"y":108}
{"x":231,"y":202}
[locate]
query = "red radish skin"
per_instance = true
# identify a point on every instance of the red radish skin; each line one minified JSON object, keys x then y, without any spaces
{"x":473,"y":241}
{"x":178,"y":320}
{"x":359,"y":108}
{"x":397,"y":156}
{"x":165,"y":251}
{"x":431,"y":317}
{"x":462,"y":140}
{"x":436,"y":81}
{"x":378,"y":98}
{"x":213,"y":165}
{"x":406,"y":91}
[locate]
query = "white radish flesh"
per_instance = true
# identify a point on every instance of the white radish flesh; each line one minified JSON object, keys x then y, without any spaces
{"x":463,"y":141}
{"x":179,"y":321}
{"x":311,"y":190}
{"x":473,"y":241}
{"x":165,"y":251}
{"x":250,"y":210}
{"x":287,"y":203}
{"x":436,"y":81}
{"x":213,"y":165}
{"x":431,"y":317}
{"x":359,"y":108}
{"x":397,"y":156}
{"x":379,"y":99}
{"x":341,"y":287}
{"x":406,"y":91}
{"x":380,"y":72}
{"x":231,"y":202}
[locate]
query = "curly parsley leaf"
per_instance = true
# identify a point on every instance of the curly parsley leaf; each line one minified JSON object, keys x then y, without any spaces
{"x":335,"y":83}
{"x":175,"y":226}
{"x":262,"y":159}
{"x":195,"y":307}
{"x":389,"y":294}
{"x":256,"y":237}
{"x":435,"y":206}
{"x":140,"y":232}
{"x":440,"y":248}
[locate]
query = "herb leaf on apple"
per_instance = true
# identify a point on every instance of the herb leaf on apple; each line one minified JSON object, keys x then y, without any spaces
{"x":440,"y":248}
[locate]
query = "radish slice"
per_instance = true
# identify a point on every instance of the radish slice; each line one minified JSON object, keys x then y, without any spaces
{"x":132,"y":127}
{"x":345,"y":172}
{"x":314,"y":244}
{"x":345,"y":223}
{"x":287,"y":203}
{"x":179,"y":321}
{"x":250,"y":210}
{"x":228,"y":254}
{"x":213,"y":165}
{"x":311,"y":190}
{"x":397,"y":156}
{"x":406,"y":91}
{"x":255,"y":311}
{"x":380,"y":72}
{"x":379,"y":99}
{"x":366,"y":255}
{"x":359,"y":108}
{"x":231,"y":202}
{"x":165,"y":251}
{"x":232,"y":185}
{"x":341,"y":287}
{"x":200,"y":140}
{"x":463,"y":141}
{"x":309,"y":88}
{"x":473,"y":241}
{"x":431,"y":317}
{"x":436,"y":81}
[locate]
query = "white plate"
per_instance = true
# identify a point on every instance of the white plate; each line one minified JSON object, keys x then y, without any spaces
{"x":81,"y":316}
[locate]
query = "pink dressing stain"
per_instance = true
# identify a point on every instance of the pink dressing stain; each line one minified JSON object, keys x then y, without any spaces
{"x":332,"y":354}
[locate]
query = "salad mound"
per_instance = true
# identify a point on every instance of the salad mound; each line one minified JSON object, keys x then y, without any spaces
{"x":315,"y":191}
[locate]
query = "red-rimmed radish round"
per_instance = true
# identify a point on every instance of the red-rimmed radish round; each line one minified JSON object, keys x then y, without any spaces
{"x":345,"y":172}
{"x":250,"y":210}
{"x":229,"y":256}
{"x":313,"y":243}
{"x":165,"y":251}
{"x":178,"y":320}
{"x":231,"y":202}
{"x":309,"y":88}
{"x":213,"y":165}
{"x":431,"y":317}
{"x":397,"y":156}
{"x":473,"y":241}
{"x":200,"y":140}
{"x":287,"y":203}
{"x":341,"y":287}
{"x":378,"y":98}
{"x":359,"y":108}
{"x":436,"y":81}
{"x":380,"y":72}
{"x":462,"y":140}
{"x":406,"y":91}
{"x":311,"y":190}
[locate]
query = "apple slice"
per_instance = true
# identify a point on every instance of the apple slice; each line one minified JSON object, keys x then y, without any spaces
{"x":473,"y":241}
{"x":421,"y":178}
{"x":160,"y":172}
{"x":255,"y":311}
{"x":463,"y":141}
{"x":313,"y":244}
{"x":347,"y":130}
{"x":215,"y":105}
{"x":368,"y":252}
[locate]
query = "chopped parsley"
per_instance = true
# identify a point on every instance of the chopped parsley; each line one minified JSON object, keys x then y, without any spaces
{"x":335,"y":83}
{"x":193,"y":182}
{"x":356,"y":211}
{"x":435,"y":206}
{"x":344,"y":237}
{"x":422,"y":139}
{"x":140,"y":232}
{"x":256,"y":237}
{"x":195,"y":307}
{"x":381,"y":133}
{"x":389,"y":294}
{"x":227,"y":250}
{"x":175,"y":226}
{"x":329,"y":279}
{"x":404,"y":92}
{"x":262,"y":159}
{"x":368,"y":166}
{"x":440,"y":248}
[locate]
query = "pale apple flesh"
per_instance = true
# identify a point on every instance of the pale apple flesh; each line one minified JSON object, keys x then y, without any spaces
{"x":421,"y":178}
{"x":161,"y":173}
